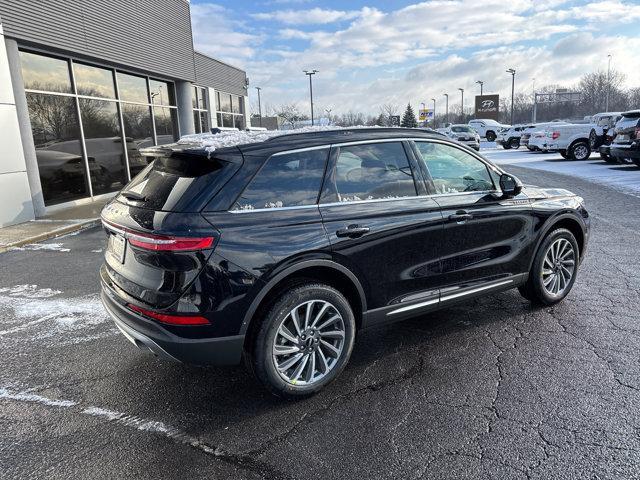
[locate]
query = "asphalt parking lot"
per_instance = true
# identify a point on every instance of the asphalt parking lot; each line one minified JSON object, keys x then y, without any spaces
{"x":489,"y":389}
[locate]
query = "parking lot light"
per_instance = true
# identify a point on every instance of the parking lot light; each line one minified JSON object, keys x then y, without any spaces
{"x":512,"y":71}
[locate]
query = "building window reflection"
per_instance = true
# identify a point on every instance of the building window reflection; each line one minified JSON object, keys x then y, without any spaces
{"x":114,"y":130}
{"x":230,"y":110}
{"x":200,"y":110}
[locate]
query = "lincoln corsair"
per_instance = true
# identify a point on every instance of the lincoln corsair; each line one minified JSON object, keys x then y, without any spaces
{"x":278,"y":251}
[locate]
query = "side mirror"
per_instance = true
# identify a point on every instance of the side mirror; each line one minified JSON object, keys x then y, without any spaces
{"x":510,"y":185}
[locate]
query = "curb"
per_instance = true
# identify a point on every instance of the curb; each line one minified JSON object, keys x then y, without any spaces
{"x":57,"y":232}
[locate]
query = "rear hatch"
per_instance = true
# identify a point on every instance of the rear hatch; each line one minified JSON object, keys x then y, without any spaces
{"x":628,"y":128}
{"x":158,"y":242}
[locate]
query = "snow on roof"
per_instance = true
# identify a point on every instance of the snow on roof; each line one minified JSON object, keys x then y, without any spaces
{"x":215,"y":141}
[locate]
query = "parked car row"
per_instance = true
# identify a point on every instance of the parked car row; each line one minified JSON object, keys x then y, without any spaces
{"x":615,"y":135}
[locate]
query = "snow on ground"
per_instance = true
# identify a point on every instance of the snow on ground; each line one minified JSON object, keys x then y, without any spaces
{"x":625,"y":178}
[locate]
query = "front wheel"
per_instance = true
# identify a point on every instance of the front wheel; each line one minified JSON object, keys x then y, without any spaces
{"x":579,"y":151}
{"x":514,"y":143}
{"x":554,"y":269}
{"x":506,"y":145}
{"x":563,"y":153}
{"x":490,"y":136}
{"x":304,"y":341}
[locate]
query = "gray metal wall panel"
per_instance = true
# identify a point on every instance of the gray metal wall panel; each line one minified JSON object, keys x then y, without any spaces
{"x":149,"y":35}
{"x":219,"y":75}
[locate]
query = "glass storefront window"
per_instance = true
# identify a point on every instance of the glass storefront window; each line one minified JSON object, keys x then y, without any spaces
{"x":202,"y":99}
{"x":132,"y":88}
{"x":94,"y":81}
{"x":204,"y":122}
{"x":166,"y":120}
{"x":56,"y":135}
{"x":227,"y":120}
{"x":103,"y":142}
{"x":224,"y":102}
{"x":161,"y":93}
{"x":194,"y":97}
{"x":40,"y":72}
{"x":238,"y":122}
{"x":138,"y":131}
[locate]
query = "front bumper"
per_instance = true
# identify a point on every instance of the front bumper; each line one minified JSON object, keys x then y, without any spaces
{"x":150,"y":336}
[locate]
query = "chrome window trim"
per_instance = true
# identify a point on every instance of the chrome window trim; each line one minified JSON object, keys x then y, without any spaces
{"x":298,"y":150}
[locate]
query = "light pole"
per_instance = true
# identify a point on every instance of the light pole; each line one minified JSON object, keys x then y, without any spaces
{"x":310,"y":73}
{"x":513,"y":82}
{"x":481,"y":83}
{"x":434,"y":111}
{"x":259,"y":106}
{"x":462,"y":104}
{"x":446,"y":108}
{"x":422,"y":107}
{"x":328,"y":112}
{"x":606,"y":108}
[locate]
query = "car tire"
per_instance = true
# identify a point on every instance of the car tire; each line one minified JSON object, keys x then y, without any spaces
{"x":608,"y":158}
{"x":563,"y":153}
{"x":506,"y":145}
{"x":315,"y":340}
{"x":579,"y":150}
{"x":490,"y":136}
{"x":514,"y":143}
{"x":547,"y":286}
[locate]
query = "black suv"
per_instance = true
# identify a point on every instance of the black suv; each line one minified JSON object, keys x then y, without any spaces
{"x":277,"y":252}
{"x":625,"y":146}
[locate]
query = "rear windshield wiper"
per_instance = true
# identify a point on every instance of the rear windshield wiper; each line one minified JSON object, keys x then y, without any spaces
{"x":131,"y":195}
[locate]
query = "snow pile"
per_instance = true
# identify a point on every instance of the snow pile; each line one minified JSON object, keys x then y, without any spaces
{"x":227,"y":138}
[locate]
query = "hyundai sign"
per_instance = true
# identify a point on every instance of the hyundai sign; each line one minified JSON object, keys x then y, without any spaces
{"x":487,"y":106}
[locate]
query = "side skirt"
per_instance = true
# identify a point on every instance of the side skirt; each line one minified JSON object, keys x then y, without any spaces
{"x":446,"y":298}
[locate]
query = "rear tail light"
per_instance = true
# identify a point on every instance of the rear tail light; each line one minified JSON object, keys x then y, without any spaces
{"x":170,"y":319}
{"x":164,"y":243}
{"x":555,"y":135}
{"x":168,"y":243}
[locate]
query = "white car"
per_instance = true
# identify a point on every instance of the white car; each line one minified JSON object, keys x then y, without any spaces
{"x":463,"y":134}
{"x":487,"y":128}
{"x":512,"y":137}
{"x":537,"y":141}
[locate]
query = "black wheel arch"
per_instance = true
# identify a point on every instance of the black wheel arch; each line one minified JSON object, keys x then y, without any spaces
{"x":319,"y":270}
{"x":579,"y":140}
{"x":570,"y":221}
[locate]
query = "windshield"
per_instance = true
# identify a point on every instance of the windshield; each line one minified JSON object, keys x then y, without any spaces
{"x":461,"y":129}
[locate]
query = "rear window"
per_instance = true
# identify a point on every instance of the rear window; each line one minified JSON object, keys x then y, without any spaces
{"x":286,"y":180}
{"x":177,"y":184}
{"x":461,"y":129}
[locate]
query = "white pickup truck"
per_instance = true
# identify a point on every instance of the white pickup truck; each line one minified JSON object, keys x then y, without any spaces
{"x":487,"y":128}
{"x":571,"y":140}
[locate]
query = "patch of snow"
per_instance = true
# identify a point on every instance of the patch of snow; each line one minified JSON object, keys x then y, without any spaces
{"x":31,"y":397}
{"x":215,"y":141}
{"x":53,"y":247}
{"x":29,"y":291}
{"x":99,"y":250}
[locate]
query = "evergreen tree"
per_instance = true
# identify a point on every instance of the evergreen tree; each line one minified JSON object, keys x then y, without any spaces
{"x":381,"y":121}
{"x":409,"y":118}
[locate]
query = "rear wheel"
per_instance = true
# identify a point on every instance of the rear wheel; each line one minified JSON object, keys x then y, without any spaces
{"x":579,"y":150}
{"x":304,"y":341}
{"x":554,"y":269}
{"x":490,"y":136}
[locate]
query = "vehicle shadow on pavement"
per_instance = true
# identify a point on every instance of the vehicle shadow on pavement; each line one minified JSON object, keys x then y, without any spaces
{"x":222,"y":397}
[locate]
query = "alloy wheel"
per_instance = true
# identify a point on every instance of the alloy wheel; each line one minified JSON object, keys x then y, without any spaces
{"x":558,"y":267}
{"x":309,"y":342}
{"x":581,"y":152}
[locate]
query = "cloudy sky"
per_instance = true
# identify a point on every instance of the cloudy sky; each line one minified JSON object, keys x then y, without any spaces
{"x":375,"y":52}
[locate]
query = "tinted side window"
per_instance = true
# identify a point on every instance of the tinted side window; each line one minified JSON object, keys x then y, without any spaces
{"x":373,"y":171}
{"x":288,"y":180}
{"x":453,"y":170}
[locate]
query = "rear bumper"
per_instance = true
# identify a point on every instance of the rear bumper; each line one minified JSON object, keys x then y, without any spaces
{"x":150,"y":336}
{"x":631,"y":152}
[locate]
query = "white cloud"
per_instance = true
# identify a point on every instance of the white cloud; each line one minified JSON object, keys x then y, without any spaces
{"x":420,"y":51}
{"x":312,"y":16}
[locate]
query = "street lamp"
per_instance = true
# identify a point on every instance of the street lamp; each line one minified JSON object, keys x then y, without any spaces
{"x":434,"y":111}
{"x":310,"y":73}
{"x":259,"y":106}
{"x":446,"y":111}
{"x":606,"y":109}
{"x":328,"y":112}
{"x":462,"y":103}
{"x":513,"y":82}
{"x":481,"y":83}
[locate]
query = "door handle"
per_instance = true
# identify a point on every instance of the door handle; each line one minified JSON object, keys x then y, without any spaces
{"x":460,"y":217}
{"x":352,"y":231}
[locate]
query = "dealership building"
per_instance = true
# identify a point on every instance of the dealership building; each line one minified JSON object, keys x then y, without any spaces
{"x":85,"y":84}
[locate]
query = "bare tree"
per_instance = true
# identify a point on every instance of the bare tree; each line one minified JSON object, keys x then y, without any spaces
{"x":389,"y":110}
{"x":290,"y":113}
